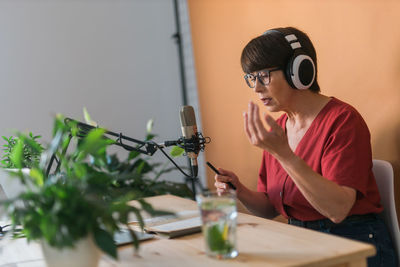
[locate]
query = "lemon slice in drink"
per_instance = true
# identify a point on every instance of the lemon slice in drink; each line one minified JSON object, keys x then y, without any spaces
{"x":225,"y":232}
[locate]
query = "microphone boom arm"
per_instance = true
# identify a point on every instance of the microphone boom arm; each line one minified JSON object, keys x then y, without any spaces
{"x":193,"y":145}
{"x":150,"y":148}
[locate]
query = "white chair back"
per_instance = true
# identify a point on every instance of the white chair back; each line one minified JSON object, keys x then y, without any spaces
{"x":384,"y":177}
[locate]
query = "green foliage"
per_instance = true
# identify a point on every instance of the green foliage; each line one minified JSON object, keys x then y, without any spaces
{"x":139,"y":172}
{"x":177,"y":151}
{"x":21,"y":151}
{"x":87,"y":118}
{"x":77,"y":200}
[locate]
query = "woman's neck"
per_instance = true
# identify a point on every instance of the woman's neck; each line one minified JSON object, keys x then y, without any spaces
{"x":304,"y":107}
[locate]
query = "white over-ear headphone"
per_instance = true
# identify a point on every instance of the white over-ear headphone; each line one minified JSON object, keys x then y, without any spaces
{"x":300,"y":69}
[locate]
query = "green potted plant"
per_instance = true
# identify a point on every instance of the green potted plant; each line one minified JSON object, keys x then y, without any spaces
{"x":30,"y":157}
{"x":31,"y":151}
{"x":73,"y":209}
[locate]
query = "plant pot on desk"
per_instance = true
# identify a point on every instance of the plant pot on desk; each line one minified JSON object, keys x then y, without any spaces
{"x":85,"y":253}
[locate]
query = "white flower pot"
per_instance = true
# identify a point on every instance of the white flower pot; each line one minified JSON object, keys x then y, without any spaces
{"x":85,"y":253}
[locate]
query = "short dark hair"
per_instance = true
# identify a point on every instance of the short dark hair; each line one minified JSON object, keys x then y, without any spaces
{"x":272,"y":50}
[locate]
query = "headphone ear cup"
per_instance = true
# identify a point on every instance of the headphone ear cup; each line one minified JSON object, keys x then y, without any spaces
{"x":300,"y":68}
{"x":288,"y":73}
{"x":301,"y":71}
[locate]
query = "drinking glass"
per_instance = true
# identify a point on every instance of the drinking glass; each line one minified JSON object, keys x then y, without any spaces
{"x":218,"y":214}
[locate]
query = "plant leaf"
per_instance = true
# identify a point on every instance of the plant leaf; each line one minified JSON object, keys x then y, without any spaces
{"x":149,"y":126}
{"x":105,"y":242}
{"x":133,"y":154}
{"x":88,"y":119}
{"x":177,"y":151}
{"x":37,"y":176}
{"x":134,"y":238}
{"x":94,"y":143}
{"x":17,"y":154}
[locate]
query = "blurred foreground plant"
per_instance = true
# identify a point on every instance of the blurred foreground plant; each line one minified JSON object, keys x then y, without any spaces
{"x":76,"y":201}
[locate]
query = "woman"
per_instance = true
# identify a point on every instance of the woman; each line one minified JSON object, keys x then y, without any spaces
{"x":317,"y":163}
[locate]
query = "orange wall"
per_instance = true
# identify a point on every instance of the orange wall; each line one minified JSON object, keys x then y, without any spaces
{"x":358,"y":48}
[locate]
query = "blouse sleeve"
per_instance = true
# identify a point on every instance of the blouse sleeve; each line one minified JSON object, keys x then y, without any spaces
{"x":347,"y":157}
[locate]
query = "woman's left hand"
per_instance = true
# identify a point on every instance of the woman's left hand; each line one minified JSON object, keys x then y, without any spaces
{"x":274,"y":141}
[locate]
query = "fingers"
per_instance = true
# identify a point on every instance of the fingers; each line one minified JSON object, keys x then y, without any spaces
{"x":272,"y":140}
{"x":246,"y":127}
{"x":272,"y":123}
{"x":254,"y":127}
{"x":224,"y":172}
{"x":258,"y":125}
{"x":220,"y":185}
{"x":223,"y":178}
{"x":250,"y":124}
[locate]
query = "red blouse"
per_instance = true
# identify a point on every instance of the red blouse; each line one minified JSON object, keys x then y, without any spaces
{"x":337,"y":146}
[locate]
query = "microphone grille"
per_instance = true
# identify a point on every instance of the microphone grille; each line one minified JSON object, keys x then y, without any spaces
{"x":187,"y":116}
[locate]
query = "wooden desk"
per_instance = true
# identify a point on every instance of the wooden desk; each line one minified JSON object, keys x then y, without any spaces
{"x":261,"y":242}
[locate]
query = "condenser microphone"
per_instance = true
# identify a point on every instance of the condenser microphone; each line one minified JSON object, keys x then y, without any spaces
{"x":190,"y":135}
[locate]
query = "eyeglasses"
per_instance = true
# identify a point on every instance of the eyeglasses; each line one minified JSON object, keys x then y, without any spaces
{"x":264,"y":77}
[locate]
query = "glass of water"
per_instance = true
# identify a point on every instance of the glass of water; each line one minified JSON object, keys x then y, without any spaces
{"x":218,"y":214}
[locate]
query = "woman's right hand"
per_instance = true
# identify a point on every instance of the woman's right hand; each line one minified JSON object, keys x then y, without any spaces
{"x":256,"y":202}
{"x":223,"y":178}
